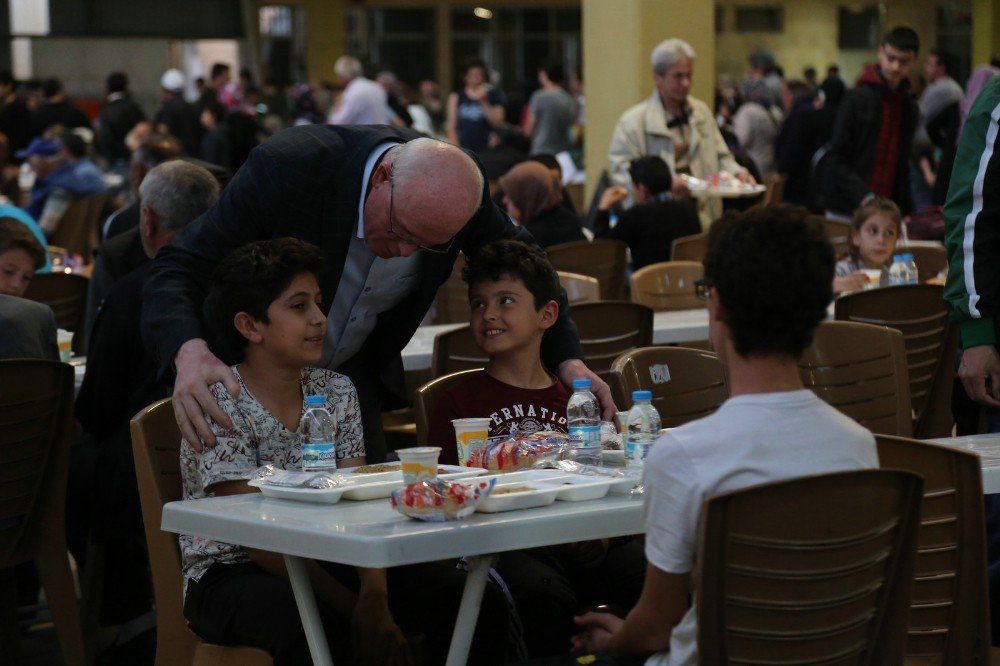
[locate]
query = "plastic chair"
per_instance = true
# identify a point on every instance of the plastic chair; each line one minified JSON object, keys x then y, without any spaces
{"x":425,"y":399}
{"x":66,"y":294}
{"x":917,"y":311}
{"x":156,"y":447}
{"x":775,"y":189}
{"x":861,"y":370}
{"x":580,"y":288}
{"x":838,"y":232}
{"x":668,"y":285}
{"x":77,"y":230}
{"x":609,"y":329}
{"x":455,"y":351}
{"x":36,"y":424}
{"x":813,"y":570}
{"x":689,"y":248}
{"x":949,"y":611}
{"x":687,"y":384}
{"x":930,"y":260}
{"x":452,"y":298}
{"x":604,"y":259}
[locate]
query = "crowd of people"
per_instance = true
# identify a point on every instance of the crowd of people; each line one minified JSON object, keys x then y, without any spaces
{"x":266,"y":244}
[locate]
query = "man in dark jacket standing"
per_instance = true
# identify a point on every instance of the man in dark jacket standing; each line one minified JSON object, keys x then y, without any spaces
{"x":871,"y":141}
{"x":119,"y":115}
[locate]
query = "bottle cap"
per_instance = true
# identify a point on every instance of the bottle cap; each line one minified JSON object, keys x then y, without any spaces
{"x":897,"y":257}
{"x":581,"y":383}
{"x":908,"y":257}
{"x":313,"y":400}
{"x":642,"y":395}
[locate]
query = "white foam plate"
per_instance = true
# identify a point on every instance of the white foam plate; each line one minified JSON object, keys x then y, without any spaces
{"x":581,"y":487}
{"x":541,"y":494}
{"x":379,"y":485}
{"x":319,"y":495}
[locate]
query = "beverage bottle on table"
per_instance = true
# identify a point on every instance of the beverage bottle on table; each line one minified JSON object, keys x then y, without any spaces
{"x":318,"y":436}
{"x":643,"y":428}
{"x":897,"y":272}
{"x":583,"y":416}
{"x":912,"y":272}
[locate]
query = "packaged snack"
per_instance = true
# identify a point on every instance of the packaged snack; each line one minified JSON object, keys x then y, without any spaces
{"x":520,"y":451}
{"x":436,"y":500}
{"x":286,"y":478}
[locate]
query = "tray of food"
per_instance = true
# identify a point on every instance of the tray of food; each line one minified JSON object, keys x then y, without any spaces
{"x":321,"y":487}
{"x":580,"y":488}
{"x":722,"y":184}
{"x":378,"y":481}
{"x":509,"y":496}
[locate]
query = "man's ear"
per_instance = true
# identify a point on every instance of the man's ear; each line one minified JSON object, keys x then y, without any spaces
{"x":716,"y":310}
{"x":248,"y":327}
{"x":149,"y":221}
{"x":550,"y":313}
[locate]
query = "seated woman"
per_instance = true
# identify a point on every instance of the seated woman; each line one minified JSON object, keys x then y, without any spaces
{"x":29,"y":328}
{"x":533,"y":196}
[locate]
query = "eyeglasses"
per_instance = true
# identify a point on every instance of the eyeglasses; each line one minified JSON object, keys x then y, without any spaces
{"x":406,"y":237}
{"x":702,"y":288}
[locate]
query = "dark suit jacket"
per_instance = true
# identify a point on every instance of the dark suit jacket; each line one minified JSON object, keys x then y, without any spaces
{"x":306,"y":182}
{"x":650,"y":229}
{"x":29,"y":329}
{"x":554,"y":226}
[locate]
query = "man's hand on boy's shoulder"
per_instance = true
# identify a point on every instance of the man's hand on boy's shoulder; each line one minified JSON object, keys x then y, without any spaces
{"x":197,"y":369}
{"x":574,"y":368}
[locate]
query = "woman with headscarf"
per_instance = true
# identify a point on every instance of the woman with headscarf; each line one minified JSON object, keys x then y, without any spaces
{"x":533,"y":198}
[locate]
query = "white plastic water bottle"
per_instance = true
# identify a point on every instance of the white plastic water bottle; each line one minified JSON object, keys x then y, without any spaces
{"x":643,"y":428}
{"x":583,"y":417}
{"x":912,"y":272}
{"x":318,"y":435}
{"x":897,"y":272}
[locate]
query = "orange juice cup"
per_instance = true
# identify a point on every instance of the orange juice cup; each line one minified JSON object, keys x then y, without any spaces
{"x":419,"y":463}
{"x":64,"y":339}
{"x":874,"y":277}
{"x":470,"y":435}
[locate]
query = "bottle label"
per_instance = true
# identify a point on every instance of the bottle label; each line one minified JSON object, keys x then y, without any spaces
{"x":319,"y":454}
{"x":587,"y":436}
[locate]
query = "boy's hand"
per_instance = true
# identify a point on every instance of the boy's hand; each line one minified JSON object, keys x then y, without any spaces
{"x":197,"y":369}
{"x":377,"y":637}
{"x":598,"y":628}
{"x":574,"y":368}
{"x":611,"y":196}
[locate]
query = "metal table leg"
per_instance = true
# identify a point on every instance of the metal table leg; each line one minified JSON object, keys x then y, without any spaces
{"x":306,"y":602}
{"x":468,"y":610}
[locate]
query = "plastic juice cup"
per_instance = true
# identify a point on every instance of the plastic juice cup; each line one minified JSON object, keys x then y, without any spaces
{"x":621,"y":421}
{"x":470,"y":435}
{"x":64,"y":339}
{"x":874,"y":277}
{"x":419,"y":463}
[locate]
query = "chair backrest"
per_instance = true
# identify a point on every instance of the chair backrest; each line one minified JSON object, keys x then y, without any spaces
{"x":687,"y":384}
{"x":949,"y":612}
{"x":579,"y":288}
{"x":775,"y":188}
{"x":813,"y":570}
{"x":603,"y":259}
{"x":77,"y":230}
{"x":668,"y":285}
{"x":930,"y":260}
{"x":608,"y":329}
{"x":455,"y":351}
{"x":917,"y":311}
{"x":452,"y":298}
{"x":36,"y":412}
{"x":838,"y":232}
{"x":425,"y":399}
{"x":66,"y":294}
{"x":689,"y":248}
{"x":156,"y":448}
{"x":861,"y":370}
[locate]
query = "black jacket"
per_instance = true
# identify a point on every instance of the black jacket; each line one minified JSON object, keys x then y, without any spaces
{"x":555,"y":225}
{"x":116,"y":120}
{"x":650,"y":228}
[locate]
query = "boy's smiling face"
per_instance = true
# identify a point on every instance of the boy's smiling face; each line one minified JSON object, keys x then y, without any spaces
{"x":504,"y":318}
{"x":296,"y":325}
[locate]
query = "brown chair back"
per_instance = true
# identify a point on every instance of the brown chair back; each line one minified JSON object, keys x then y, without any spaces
{"x":917,"y":311}
{"x":602,"y":258}
{"x":66,"y":294}
{"x":861,"y":370}
{"x":609,"y":329}
{"x":77,"y":230}
{"x":949,"y":611}
{"x":930,"y":260}
{"x":687,"y":384}
{"x":775,"y":189}
{"x":668,"y":285}
{"x":426,"y":397}
{"x":452,"y":299}
{"x":36,"y":425}
{"x":838,"y":232}
{"x":579,"y":288}
{"x":455,"y":351}
{"x":813,"y":570}
{"x":689,"y":248}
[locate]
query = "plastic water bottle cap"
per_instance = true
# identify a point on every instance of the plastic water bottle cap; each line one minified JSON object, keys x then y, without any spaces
{"x":315,"y":400}
{"x":642,"y":395}
{"x":897,"y":257}
{"x":907,"y":257}
{"x":581,"y":384}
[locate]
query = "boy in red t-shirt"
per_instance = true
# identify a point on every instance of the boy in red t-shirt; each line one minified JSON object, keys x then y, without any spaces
{"x":512,"y":297}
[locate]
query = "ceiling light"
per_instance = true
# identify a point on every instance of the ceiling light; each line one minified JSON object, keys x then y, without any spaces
{"x":483,"y":13}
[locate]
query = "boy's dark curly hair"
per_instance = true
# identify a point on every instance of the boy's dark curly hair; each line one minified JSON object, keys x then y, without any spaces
{"x":772,"y":268}
{"x":248,"y":280}
{"x":514,"y":259}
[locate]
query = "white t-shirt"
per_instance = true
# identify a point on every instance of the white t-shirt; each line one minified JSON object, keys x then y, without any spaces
{"x":750,"y":440}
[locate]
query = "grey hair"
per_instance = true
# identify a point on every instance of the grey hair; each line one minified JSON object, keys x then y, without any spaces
{"x":668,"y":53}
{"x":406,"y":163}
{"x":348,"y":67}
{"x":178,"y":192}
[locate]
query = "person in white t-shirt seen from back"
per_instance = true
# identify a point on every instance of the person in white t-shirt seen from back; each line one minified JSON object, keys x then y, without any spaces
{"x":768,"y":276}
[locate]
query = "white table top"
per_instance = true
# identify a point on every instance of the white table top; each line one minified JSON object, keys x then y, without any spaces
{"x":987,"y":447}
{"x":372,"y":534}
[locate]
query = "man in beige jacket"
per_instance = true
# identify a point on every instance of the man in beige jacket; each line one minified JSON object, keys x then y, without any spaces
{"x":675,"y":126}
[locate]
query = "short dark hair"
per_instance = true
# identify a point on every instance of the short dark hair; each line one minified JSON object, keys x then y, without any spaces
{"x":157,"y":149}
{"x":73,"y":143}
{"x":547,"y":160}
{"x":6,"y":78}
{"x":553,"y":69}
{"x":475,"y":62}
{"x":513,"y":259}
{"x":218,"y":69}
{"x":51,"y":87}
{"x":944,"y":59}
{"x":117,"y":82}
{"x":15,"y":235}
{"x":651,"y":171}
{"x":772,"y":268}
{"x":903,"y":38}
{"x":248,"y":280}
